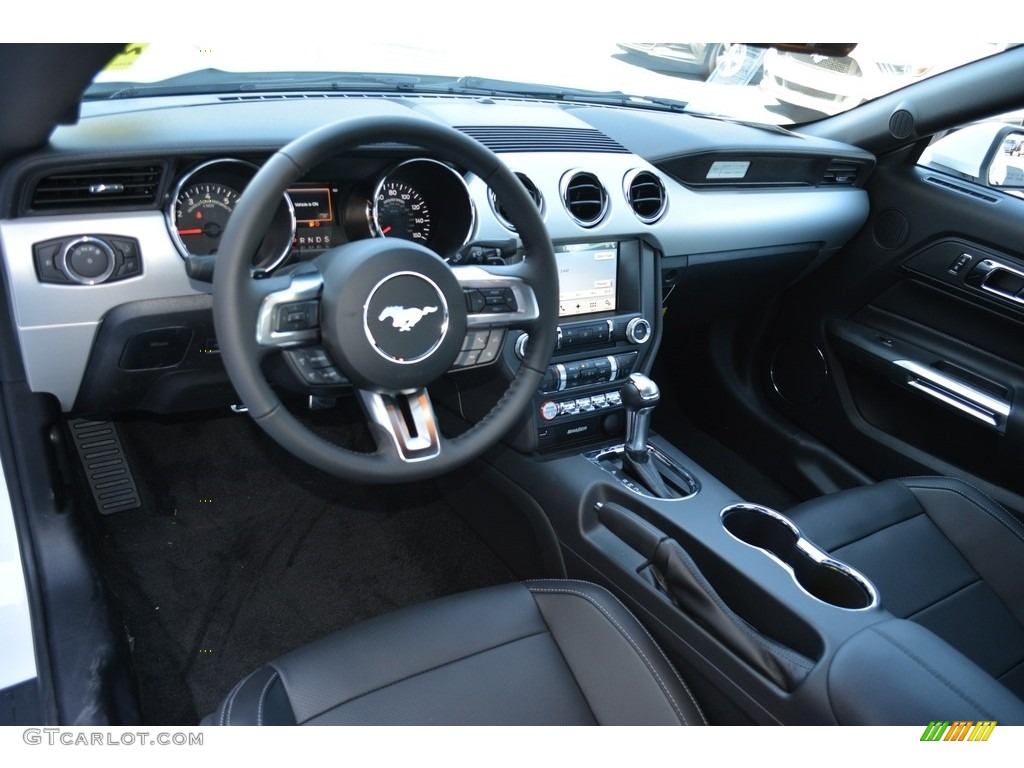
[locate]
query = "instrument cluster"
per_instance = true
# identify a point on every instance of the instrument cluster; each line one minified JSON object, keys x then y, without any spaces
{"x":420,"y":199}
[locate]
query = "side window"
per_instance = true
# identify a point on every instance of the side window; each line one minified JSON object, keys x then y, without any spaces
{"x":989,"y":152}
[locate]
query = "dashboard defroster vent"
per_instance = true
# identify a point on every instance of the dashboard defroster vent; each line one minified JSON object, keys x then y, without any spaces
{"x":645,"y":193}
{"x":513,"y":138}
{"x":123,"y":186}
{"x":585,"y":198}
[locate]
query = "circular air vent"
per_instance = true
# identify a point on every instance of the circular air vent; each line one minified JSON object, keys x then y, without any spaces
{"x":585,"y":198}
{"x":646,"y":195}
{"x":531,"y":189}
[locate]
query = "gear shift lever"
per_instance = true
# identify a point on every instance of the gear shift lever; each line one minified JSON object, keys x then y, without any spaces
{"x":639,"y":396}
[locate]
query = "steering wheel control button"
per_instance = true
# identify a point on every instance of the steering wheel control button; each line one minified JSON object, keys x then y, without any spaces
{"x":467,"y":358}
{"x":490,"y":353}
{"x":313,"y":366}
{"x":481,"y":347}
{"x":477,"y":340}
{"x":491,"y":300}
{"x":406,"y":318}
{"x":298,"y":316}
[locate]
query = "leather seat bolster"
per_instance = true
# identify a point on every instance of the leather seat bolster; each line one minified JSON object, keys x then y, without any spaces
{"x":988,"y":537}
{"x":259,"y":699}
{"x":513,"y":654}
{"x":923,"y":677}
{"x":396,"y":646}
{"x":621,"y":671}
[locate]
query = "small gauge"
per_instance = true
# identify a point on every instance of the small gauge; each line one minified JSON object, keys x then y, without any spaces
{"x":204,"y":201}
{"x":201,"y":212}
{"x":399,"y":210}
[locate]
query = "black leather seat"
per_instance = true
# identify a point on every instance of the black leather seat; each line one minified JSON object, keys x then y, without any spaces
{"x":541,"y":652}
{"x":940,"y":553}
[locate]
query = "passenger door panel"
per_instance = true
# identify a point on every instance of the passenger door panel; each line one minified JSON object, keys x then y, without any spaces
{"x":921,"y":336}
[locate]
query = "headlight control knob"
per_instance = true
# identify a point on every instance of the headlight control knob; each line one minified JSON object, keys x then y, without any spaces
{"x":86,"y":260}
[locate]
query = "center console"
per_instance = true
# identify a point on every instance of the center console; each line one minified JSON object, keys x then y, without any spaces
{"x":609,"y":325}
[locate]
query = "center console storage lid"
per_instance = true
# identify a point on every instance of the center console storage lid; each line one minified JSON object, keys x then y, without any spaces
{"x":899,"y":673}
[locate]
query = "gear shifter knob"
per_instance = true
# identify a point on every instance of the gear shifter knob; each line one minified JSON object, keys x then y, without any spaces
{"x":639,"y":396}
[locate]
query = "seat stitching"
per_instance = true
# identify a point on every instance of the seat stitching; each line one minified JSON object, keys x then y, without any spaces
{"x":665,"y":658}
{"x":934,"y":672}
{"x":1015,"y":666}
{"x":869,"y":534}
{"x":943,"y":598}
{"x":997,"y":511}
{"x":225,"y":715}
{"x":425,"y":671}
{"x":633,"y":643}
{"x":263,"y":696}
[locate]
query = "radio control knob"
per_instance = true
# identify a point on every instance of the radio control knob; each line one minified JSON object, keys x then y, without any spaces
{"x":638,"y":331}
{"x":521,"y":342}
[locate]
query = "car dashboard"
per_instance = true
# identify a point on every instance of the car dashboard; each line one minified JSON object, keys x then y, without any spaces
{"x":109,"y":235}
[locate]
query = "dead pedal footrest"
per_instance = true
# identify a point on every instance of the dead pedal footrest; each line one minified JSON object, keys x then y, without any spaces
{"x":106,"y":466}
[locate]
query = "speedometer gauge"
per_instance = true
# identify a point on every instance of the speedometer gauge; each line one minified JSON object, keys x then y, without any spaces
{"x":424,"y":201}
{"x":399,"y":210}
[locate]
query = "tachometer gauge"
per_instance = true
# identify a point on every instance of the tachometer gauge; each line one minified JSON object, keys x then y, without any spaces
{"x":399,"y":210}
{"x":203,"y":202}
{"x":200,"y":214}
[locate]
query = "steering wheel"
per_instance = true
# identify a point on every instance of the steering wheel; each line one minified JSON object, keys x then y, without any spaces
{"x":390,"y":315}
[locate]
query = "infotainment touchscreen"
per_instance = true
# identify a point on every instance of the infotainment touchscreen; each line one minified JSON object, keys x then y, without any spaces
{"x":587,"y":274}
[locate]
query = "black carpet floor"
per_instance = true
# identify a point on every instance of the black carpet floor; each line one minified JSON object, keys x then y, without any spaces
{"x":241,"y":553}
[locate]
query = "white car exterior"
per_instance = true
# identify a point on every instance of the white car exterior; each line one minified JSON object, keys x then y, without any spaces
{"x":834,"y":84}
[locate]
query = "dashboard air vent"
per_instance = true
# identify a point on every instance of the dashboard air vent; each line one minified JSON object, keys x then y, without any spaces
{"x":646,"y":195}
{"x":123,"y":186}
{"x":584,"y":197}
{"x":841,"y":172}
{"x":531,"y":189}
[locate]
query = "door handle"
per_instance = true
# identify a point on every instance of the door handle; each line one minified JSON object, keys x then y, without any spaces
{"x":1000,"y":279}
{"x":988,"y":409}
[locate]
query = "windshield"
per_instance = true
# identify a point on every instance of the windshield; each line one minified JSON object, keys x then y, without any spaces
{"x":735,"y":80}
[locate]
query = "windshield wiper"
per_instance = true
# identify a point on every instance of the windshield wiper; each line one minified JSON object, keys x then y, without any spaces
{"x":218,"y":81}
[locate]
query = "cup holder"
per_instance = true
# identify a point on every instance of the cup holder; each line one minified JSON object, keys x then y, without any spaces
{"x":814,"y":571}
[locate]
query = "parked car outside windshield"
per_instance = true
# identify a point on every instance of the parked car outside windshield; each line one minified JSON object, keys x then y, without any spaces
{"x":696,"y":77}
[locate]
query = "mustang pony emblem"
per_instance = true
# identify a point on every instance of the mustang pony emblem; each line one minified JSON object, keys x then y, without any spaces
{"x":404,"y":319}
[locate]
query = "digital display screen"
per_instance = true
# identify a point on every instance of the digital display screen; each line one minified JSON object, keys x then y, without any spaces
{"x":587,"y":274}
{"x":311,"y":204}
{"x":314,"y":218}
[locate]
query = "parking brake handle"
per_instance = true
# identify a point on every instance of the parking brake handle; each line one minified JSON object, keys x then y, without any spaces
{"x":681,"y":579}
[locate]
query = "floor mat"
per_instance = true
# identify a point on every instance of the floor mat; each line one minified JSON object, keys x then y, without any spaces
{"x":241,"y":552}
